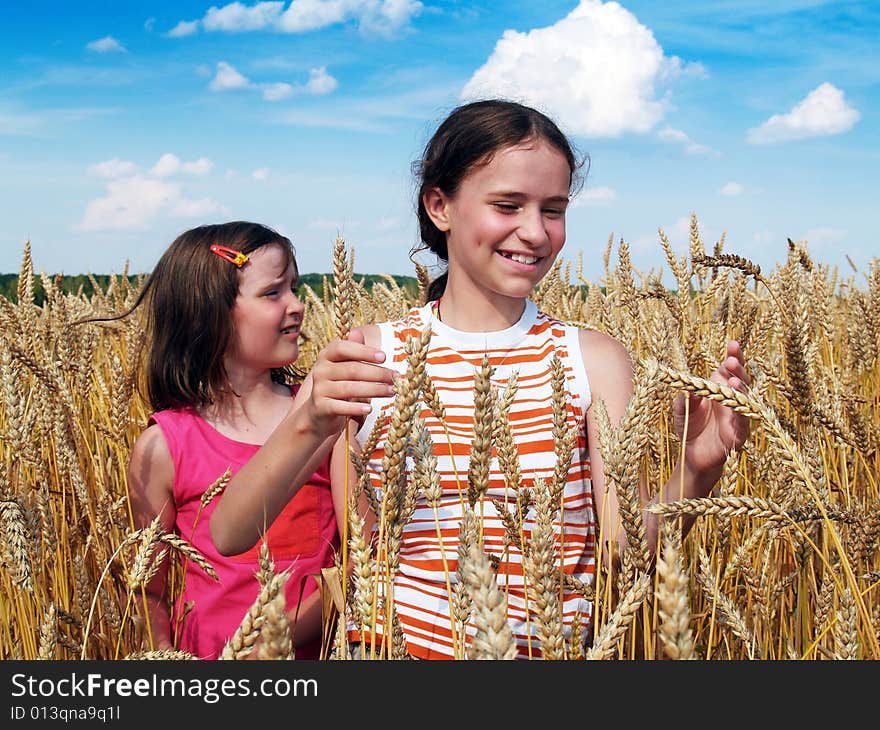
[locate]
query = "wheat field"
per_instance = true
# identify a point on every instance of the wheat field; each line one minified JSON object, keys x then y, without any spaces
{"x":782,"y":561}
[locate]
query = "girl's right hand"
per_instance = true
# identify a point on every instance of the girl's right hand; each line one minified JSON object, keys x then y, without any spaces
{"x":345,"y":376}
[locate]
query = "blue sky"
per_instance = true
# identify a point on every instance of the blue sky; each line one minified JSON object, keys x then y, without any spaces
{"x":124,"y":124}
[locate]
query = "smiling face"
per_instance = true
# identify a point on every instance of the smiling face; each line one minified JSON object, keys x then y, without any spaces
{"x":505,"y":225}
{"x":267,"y":314}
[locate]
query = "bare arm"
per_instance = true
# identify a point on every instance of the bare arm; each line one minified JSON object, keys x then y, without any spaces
{"x":150,"y":485}
{"x":712,"y":431}
{"x":345,"y":376}
{"x":343,"y":478}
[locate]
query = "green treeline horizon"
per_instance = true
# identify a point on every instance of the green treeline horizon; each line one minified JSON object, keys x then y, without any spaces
{"x":85,"y":283}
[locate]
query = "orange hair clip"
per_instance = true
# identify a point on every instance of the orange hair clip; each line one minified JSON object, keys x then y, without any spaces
{"x":231,"y":255}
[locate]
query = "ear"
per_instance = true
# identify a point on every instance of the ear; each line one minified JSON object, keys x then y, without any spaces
{"x":437,"y":207}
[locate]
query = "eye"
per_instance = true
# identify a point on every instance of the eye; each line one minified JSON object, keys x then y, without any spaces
{"x":554,"y":212}
{"x":271,"y":293}
{"x":506,"y":207}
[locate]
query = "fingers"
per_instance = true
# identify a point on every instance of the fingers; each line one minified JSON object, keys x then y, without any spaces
{"x":360,"y":390}
{"x":732,"y":370}
{"x":346,"y":376}
{"x":351,"y":349}
{"x":356,"y":336}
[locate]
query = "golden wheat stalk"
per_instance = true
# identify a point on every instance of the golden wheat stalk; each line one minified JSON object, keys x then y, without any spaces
{"x":606,"y":641}
{"x":673,"y":597}
{"x":493,"y":638}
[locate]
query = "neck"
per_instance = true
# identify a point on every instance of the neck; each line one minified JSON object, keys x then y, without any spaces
{"x":251,"y":406}
{"x":246,"y":388}
{"x":476,"y":314}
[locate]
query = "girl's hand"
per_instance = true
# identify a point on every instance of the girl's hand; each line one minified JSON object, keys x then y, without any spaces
{"x":713,"y":430}
{"x":344,"y":378}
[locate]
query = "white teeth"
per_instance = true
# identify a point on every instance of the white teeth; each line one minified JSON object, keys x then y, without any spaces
{"x":522,"y":258}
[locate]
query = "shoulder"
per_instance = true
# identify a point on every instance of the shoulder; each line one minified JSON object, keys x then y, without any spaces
{"x":599,"y":346}
{"x":150,"y":458}
{"x":608,"y":364}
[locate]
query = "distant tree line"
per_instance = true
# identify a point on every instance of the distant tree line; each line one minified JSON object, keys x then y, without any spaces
{"x":85,"y":283}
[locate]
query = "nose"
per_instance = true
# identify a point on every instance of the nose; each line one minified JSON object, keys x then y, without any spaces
{"x":294,"y":304}
{"x":532,"y":227}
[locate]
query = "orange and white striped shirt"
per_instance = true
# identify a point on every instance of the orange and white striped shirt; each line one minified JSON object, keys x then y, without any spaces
{"x":421,"y":599}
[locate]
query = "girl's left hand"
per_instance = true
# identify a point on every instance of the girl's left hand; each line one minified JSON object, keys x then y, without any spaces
{"x":713,"y":429}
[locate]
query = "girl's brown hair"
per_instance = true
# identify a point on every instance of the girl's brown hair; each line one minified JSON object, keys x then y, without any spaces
{"x":188,"y":299}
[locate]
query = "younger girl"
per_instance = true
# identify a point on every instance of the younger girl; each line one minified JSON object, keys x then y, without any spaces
{"x":495,"y":184}
{"x":224,"y":325}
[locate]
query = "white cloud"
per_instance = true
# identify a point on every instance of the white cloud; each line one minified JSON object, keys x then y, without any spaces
{"x":107,"y":44}
{"x":113,"y":168}
{"x":320,"y":82}
{"x":130,"y":203}
{"x":170,"y":164}
{"x":261,"y":174}
{"x":387,"y":17}
{"x":824,"y":111}
{"x":594,"y":197}
{"x":732,"y":189}
{"x":384,"y":17}
{"x":227,"y":78}
{"x":184,"y":28}
{"x":134,"y":201}
{"x":595,"y":71}
{"x":236,"y":17}
{"x":673,"y":135}
{"x":670,"y":134}
{"x":149,"y":24}
{"x":276,"y":92}
{"x":306,"y":15}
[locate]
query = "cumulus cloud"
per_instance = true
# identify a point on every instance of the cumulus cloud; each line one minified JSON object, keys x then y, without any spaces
{"x":690,"y":147}
{"x":184,"y":28}
{"x":824,"y":111}
{"x":320,"y":82}
{"x":732,"y":189}
{"x":107,"y":44}
{"x":261,"y":174}
{"x":383,"y":17}
{"x":237,"y":18}
{"x":596,"y":71}
{"x":133,"y":200}
{"x":170,"y":164}
{"x":113,"y":168}
{"x":227,"y":78}
{"x":276,"y":92}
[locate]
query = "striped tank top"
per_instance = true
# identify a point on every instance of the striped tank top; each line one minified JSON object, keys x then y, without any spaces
{"x":420,"y":594}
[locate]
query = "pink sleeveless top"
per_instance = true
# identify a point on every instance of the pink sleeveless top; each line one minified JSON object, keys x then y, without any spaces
{"x":304,"y":536}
